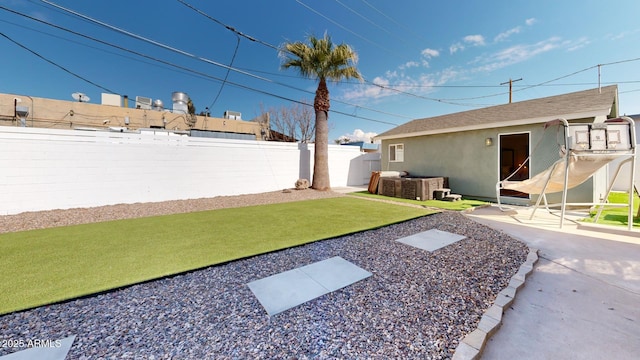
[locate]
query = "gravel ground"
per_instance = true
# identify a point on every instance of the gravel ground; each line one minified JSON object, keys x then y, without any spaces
{"x":45,"y":219}
{"x":417,"y":304}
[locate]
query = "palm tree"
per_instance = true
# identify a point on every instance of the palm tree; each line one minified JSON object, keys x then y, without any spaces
{"x":321,"y":60}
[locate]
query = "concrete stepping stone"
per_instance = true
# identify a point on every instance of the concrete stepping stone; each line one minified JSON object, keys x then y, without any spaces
{"x":431,"y":240}
{"x":283,"y":291}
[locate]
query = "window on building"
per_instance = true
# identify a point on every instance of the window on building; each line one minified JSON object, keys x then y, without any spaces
{"x":396,"y":152}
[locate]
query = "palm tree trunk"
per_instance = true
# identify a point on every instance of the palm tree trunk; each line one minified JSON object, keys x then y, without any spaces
{"x":321,"y":155}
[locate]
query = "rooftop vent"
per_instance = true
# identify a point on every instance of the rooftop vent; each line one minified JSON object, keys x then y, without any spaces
{"x":22,"y":112}
{"x":180,"y":102}
{"x":158,"y":105}
{"x":233,"y":115}
{"x":143,"y":103}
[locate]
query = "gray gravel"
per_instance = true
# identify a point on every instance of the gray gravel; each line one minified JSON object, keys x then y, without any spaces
{"x":417,"y":305}
{"x":64,"y":217}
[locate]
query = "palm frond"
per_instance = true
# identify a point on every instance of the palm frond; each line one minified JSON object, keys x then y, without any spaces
{"x":320,"y":59}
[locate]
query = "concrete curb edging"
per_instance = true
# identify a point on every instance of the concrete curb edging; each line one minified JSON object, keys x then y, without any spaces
{"x":471,"y":347}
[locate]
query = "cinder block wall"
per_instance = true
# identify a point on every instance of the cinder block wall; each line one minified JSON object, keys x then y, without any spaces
{"x":44,"y":169}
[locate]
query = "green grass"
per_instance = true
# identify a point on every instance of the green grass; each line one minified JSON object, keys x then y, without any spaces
{"x":39,"y":267}
{"x":444,"y":205}
{"x":617,"y":215}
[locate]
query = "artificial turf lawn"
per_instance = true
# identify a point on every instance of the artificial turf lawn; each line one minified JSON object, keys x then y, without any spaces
{"x":39,"y":267}
{"x":618,"y":215}
{"x":444,"y":205}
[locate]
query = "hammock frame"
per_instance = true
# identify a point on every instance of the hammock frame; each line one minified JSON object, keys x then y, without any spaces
{"x":587,"y":148}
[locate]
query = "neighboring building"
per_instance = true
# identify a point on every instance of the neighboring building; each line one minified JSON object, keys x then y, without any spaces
{"x":280,"y":137}
{"x":115,"y":114}
{"x":364,"y":146}
{"x":477,"y":148}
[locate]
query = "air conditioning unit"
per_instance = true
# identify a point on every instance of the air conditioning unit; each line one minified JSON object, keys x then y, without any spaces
{"x":233,"y":115}
{"x":143,"y":103}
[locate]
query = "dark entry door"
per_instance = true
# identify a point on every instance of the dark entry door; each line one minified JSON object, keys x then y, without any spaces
{"x":514,"y":151}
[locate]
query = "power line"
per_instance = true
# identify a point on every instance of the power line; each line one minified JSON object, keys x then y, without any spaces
{"x":167,"y":47}
{"x":558,"y":78}
{"x":421,"y":86}
{"x":201,"y":74}
{"x":444,"y":101}
{"x":391,"y":19}
{"x":274,"y":47}
{"x":167,"y":65}
{"x":226,"y":76}
{"x":252,"y":38}
{"x":57,"y":65}
{"x":388,"y":87}
{"x":510,"y":82}
{"x":150,"y":41}
{"x":343,"y":27}
{"x":228,"y":27}
{"x":369,"y":21}
{"x":235,"y":52}
{"x":620,"y":62}
{"x":525,"y":87}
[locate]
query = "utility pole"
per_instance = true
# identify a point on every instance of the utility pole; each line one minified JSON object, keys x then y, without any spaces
{"x":599,"y":88}
{"x":510,"y":82}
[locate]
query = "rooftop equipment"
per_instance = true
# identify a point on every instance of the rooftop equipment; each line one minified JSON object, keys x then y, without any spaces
{"x":22,"y":112}
{"x":233,"y":115}
{"x":80,"y":97}
{"x":111,"y":99}
{"x":143,"y":103}
{"x":180,"y":102}
{"x":157,"y":105}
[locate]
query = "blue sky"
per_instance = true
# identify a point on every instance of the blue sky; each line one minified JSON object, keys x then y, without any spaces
{"x":419,"y":58}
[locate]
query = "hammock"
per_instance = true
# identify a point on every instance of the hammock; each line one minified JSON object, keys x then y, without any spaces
{"x":591,"y":147}
{"x":581,"y":168}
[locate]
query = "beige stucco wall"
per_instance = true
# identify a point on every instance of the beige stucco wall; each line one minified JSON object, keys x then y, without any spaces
{"x":472,"y":167}
{"x":60,"y":114}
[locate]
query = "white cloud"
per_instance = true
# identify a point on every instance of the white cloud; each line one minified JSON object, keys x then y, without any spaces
{"x":516,"y":30}
{"x":429,"y":53}
{"x":393,"y":83}
{"x":475,"y":40}
{"x":622,"y":35}
{"x":389,"y":74}
{"x":505,"y":35}
{"x":443,"y":77}
{"x":455,"y":48}
{"x":516,"y":54}
{"x":409,"y":65}
{"x":580,"y":43}
{"x":406,"y":79}
{"x":426,"y":53}
{"x":617,"y":36}
{"x":359,"y":135}
{"x":370,"y":92}
{"x":398,"y":78}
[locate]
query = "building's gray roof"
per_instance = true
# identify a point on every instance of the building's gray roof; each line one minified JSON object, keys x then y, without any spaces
{"x":583,"y":104}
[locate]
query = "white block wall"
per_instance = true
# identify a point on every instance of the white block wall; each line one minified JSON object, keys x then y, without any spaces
{"x":44,"y":169}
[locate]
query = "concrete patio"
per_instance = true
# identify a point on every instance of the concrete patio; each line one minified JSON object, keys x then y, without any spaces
{"x":580,"y":301}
